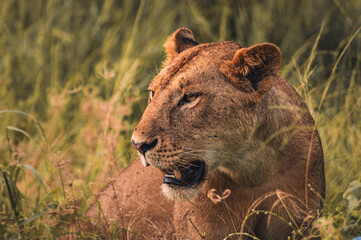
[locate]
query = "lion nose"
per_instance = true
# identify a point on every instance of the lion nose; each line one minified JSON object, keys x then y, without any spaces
{"x":144,"y":147}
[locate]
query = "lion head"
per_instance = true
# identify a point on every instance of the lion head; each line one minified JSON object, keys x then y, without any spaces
{"x":204,"y":110}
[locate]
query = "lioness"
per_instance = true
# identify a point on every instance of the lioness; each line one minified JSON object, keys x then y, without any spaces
{"x":227,"y":146}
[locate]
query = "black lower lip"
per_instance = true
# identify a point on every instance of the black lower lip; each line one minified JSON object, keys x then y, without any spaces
{"x":191,"y":174}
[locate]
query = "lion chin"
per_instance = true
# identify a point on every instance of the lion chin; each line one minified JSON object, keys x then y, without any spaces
{"x":181,"y":193}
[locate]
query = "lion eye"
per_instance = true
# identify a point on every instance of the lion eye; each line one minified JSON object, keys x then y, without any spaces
{"x":190,"y":98}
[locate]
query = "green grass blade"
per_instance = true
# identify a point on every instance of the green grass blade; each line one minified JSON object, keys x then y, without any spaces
{"x":12,"y":201}
{"x":32,"y":218}
{"x":19,"y":130}
{"x":30,"y":116}
{"x":36,"y":175}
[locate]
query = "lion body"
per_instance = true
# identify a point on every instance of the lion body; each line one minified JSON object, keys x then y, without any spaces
{"x":256,"y":138}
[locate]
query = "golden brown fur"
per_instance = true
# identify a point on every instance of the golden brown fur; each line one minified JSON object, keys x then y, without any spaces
{"x":246,"y":123}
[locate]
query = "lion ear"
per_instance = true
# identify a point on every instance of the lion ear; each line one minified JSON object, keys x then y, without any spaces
{"x":179,"y":41}
{"x":253,"y":68}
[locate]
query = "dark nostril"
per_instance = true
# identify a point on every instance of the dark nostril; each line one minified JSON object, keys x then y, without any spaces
{"x":144,"y":147}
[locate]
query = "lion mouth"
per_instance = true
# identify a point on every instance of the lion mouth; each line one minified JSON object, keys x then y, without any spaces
{"x":185,"y":176}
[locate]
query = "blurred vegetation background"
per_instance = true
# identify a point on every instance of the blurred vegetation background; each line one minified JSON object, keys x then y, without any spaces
{"x":72,"y":81}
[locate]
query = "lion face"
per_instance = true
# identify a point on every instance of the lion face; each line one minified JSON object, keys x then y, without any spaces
{"x":201,"y":111}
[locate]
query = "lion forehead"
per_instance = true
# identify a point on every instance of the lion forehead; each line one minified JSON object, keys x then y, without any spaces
{"x":189,"y":61}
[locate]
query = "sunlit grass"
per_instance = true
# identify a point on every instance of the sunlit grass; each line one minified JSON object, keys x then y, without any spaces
{"x":72,"y":81}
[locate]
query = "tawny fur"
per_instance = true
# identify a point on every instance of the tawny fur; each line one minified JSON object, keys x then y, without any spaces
{"x":248,"y":125}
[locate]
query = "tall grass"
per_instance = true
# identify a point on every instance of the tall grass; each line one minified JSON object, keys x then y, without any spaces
{"x":73,"y":74}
